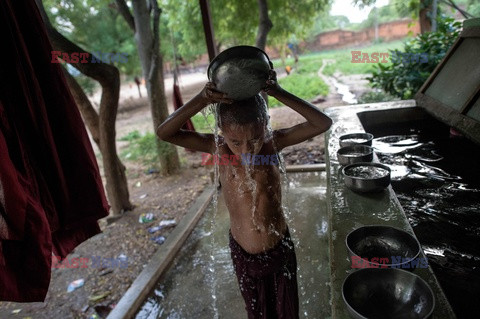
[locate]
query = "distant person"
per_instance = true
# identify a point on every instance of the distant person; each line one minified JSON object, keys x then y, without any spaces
{"x":288,"y":69}
{"x":137,"y":81}
{"x":292,"y":47}
{"x":262,"y":251}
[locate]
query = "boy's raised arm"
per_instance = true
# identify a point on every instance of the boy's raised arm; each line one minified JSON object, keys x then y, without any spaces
{"x":170,"y":130}
{"x":316,"y":123}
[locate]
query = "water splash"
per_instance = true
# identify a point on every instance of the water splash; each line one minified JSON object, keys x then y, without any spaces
{"x":216,"y":184}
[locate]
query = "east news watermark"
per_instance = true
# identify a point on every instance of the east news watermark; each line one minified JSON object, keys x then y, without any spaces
{"x":236,"y":160}
{"x":100,"y":262}
{"x":392,"y":262}
{"x":395,"y":57}
{"x":84,"y":57}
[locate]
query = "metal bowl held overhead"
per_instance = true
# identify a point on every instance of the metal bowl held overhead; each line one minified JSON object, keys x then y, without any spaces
{"x":366,"y":177}
{"x":240,"y":71}
{"x":354,"y":154}
{"x":382,"y":246}
{"x":356,"y":139}
{"x":387,"y":293}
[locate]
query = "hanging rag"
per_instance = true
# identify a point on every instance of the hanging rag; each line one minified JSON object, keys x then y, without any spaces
{"x":178,"y":103}
{"x":51,"y":193}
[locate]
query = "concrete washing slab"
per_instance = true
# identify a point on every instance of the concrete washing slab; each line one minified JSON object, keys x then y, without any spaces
{"x":349,"y":210}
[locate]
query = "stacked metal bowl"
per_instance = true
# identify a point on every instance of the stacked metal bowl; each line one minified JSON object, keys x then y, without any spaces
{"x":359,"y":172}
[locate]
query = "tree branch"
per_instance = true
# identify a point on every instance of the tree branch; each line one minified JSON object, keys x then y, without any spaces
{"x":265,"y":25}
{"x":126,"y":14}
{"x":453,"y":5}
{"x":90,"y":116}
{"x":156,"y":37}
{"x":99,"y":71}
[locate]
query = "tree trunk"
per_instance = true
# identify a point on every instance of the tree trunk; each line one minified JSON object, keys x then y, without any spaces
{"x":109,"y":78}
{"x":283,"y":54}
{"x":148,"y":44}
{"x":424,"y":20}
{"x":264,"y":26}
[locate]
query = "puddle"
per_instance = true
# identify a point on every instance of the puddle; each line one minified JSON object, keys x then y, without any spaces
{"x":344,"y":91}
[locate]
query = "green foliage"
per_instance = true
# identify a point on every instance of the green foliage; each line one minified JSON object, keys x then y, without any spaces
{"x":236,"y":22}
{"x":141,"y":148}
{"x":132,"y":136}
{"x":385,"y":14}
{"x":375,"y":96}
{"x":341,"y":60}
{"x":474,"y":8}
{"x":305,"y":86}
{"x":326,"y":22}
{"x":95,"y":25}
{"x":404,"y":79}
{"x":204,"y":124}
{"x":87,"y":84}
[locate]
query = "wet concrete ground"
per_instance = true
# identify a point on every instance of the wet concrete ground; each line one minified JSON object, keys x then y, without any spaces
{"x":199,"y":286}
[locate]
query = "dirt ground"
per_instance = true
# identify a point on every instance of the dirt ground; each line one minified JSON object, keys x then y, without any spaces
{"x":165,"y":197}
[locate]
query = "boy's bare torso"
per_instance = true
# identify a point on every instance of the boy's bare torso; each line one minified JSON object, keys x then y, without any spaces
{"x":253,"y":197}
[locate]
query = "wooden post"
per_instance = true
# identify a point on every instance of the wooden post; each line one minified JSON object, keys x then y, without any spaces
{"x":208,"y":29}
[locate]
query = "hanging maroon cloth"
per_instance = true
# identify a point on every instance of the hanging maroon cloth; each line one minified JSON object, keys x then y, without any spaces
{"x":51,"y":193}
{"x":178,"y":103}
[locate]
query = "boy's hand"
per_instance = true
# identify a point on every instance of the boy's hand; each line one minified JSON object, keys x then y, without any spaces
{"x":272,"y":87}
{"x":211,"y":95}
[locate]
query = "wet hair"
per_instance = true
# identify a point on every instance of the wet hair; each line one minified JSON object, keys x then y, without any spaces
{"x":249,"y":111}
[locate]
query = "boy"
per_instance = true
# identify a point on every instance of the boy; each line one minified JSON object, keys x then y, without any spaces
{"x":262,"y":251}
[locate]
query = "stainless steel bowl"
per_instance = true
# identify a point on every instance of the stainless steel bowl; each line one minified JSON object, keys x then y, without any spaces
{"x":240,"y":71}
{"x":354,"y":154}
{"x":356,"y":139}
{"x":382,"y":246}
{"x":366,"y":177}
{"x":387,"y":293}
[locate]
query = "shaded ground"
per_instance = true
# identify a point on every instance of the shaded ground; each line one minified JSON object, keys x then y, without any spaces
{"x":165,"y":197}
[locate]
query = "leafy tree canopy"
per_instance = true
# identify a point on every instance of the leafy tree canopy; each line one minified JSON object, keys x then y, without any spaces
{"x":236,"y":22}
{"x":96,"y":25}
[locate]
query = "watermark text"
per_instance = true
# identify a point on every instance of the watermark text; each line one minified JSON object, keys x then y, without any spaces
{"x":381,"y":57}
{"x":243,"y":159}
{"x":394,"y":262}
{"x":84,"y":57}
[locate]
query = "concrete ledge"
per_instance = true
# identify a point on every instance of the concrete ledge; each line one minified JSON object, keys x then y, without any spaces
{"x":144,"y":283}
{"x":349,"y":210}
{"x":305,"y":168}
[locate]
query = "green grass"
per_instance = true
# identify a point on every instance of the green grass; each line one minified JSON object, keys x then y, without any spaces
{"x":131,"y":136}
{"x":306,"y":86}
{"x":142,"y":148}
{"x":343,"y":59}
{"x":203,"y":125}
{"x":304,"y":81}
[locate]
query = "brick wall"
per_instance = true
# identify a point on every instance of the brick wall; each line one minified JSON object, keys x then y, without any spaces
{"x":343,"y":38}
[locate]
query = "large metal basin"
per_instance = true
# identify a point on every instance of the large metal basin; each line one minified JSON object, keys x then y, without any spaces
{"x":387,"y":293}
